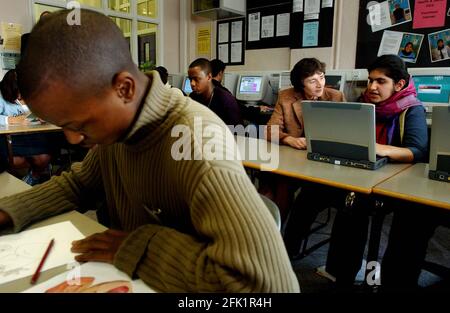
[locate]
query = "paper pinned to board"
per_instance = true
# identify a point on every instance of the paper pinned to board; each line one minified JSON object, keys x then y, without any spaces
{"x":21,"y":253}
{"x":92,"y":277}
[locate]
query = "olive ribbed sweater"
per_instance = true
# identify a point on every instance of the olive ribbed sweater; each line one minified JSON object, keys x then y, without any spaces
{"x":213,"y":232}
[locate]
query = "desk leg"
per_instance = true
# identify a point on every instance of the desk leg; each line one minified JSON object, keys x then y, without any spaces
{"x":10,"y":150}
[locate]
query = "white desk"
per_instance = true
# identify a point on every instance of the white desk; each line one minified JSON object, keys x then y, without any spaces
{"x":414,"y":185}
{"x":294,"y":163}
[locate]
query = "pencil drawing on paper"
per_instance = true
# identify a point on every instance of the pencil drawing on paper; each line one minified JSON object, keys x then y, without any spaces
{"x":85,"y":285}
{"x":15,"y":260}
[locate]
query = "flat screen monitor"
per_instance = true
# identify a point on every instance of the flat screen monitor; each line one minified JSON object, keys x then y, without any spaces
{"x":187,"y":86}
{"x":251,"y":88}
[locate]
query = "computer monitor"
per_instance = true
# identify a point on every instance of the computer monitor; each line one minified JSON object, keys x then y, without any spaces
{"x":175,"y":80}
{"x":285,"y":80}
{"x":251,"y":88}
{"x":229,"y":81}
{"x":186,"y":85}
{"x":355,"y":83}
{"x":432,"y":85}
{"x":335,"y":79}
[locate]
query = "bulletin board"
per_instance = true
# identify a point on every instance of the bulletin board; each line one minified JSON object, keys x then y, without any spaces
{"x":230,"y":43}
{"x":369,"y":42}
{"x":325,"y":25}
{"x":272,"y":12}
{"x":310,"y":33}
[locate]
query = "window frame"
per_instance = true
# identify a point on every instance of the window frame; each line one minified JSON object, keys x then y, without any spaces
{"x":133,"y":16}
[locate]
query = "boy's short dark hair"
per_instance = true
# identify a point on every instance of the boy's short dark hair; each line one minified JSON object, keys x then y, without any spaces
{"x":392,"y":66}
{"x":304,"y":68}
{"x":217,"y":66}
{"x":84,"y":57}
{"x":163,"y":73}
{"x":204,"y":64}
{"x":8,"y":86}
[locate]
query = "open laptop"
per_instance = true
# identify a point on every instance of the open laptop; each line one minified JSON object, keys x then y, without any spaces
{"x":341,"y":133}
{"x":440,"y":144}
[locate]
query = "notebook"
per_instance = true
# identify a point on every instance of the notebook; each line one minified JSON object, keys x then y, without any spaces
{"x":440,"y":144}
{"x":341,"y":133}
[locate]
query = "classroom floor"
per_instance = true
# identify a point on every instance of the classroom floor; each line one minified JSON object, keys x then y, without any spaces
{"x":311,"y":282}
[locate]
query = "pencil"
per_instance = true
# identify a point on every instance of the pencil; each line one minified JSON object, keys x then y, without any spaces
{"x":41,"y":264}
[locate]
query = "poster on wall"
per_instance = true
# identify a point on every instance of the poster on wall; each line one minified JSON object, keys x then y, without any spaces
{"x":405,"y":45}
{"x":429,"y":13}
{"x":439,"y":44}
{"x":389,"y":13}
{"x":204,"y":40}
{"x":10,"y":34}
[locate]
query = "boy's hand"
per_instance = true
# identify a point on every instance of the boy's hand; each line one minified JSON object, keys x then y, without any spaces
{"x":101,"y":247}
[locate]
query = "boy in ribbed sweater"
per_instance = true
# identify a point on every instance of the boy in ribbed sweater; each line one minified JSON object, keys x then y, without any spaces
{"x":178,"y":223}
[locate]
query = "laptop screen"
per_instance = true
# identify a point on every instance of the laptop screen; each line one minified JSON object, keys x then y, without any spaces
{"x":340,"y":129}
{"x":440,"y":143}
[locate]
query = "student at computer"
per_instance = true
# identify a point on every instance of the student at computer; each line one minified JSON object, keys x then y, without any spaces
{"x":178,"y":223}
{"x":215,"y":98}
{"x":308,"y":81}
{"x":31,"y":150}
{"x":218,"y":71}
{"x":401,"y":133}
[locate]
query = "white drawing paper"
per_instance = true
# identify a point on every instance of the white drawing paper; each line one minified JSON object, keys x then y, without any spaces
{"x":20,"y":254}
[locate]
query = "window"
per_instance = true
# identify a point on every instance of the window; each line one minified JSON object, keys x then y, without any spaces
{"x":139,"y":21}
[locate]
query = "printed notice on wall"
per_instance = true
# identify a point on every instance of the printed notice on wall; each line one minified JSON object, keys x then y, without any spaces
{"x":429,"y":13}
{"x":204,"y":40}
{"x":254,"y":23}
{"x":310,"y":34}
{"x":312,"y":6}
{"x":268,"y":25}
{"x":297,"y":6}
{"x":283,"y":24}
{"x":236,"y":31}
{"x":236,"y":52}
{"x":223,"y":53}
{"x":10,"y":34}
{"x":327,"y":4}
{"x":223,"y":32}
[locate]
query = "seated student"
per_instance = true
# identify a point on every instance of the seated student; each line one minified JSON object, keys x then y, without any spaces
{"x":163,"y":73}
{"x":31,"y":150}
{"x":217,"y":99}
{"x":178,"y":223}
{"x":401,"y":134}
{"x":217,"y":72}
{"x":308,"y":80}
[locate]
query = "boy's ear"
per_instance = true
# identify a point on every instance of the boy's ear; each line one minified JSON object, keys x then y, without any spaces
{"x":125,"y":86}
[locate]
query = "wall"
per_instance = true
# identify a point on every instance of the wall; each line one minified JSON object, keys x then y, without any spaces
{"x":341,"y":56}
{"x":170,"y":36}
{"x":17,"y":11}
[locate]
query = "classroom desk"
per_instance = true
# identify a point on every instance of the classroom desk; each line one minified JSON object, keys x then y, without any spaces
{"x":294,"y":163}
{"x":10,"y":130}
{"x":414,"y":185}
{"x":11,"y":185}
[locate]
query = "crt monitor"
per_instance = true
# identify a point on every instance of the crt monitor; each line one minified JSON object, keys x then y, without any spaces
{"x":335,"y":80}
{"x":251,"y":88}
{"x":186,"y":85}
{"x":432,"y":85}
{"x":229,"y":81}
{"x":285,"y":80}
